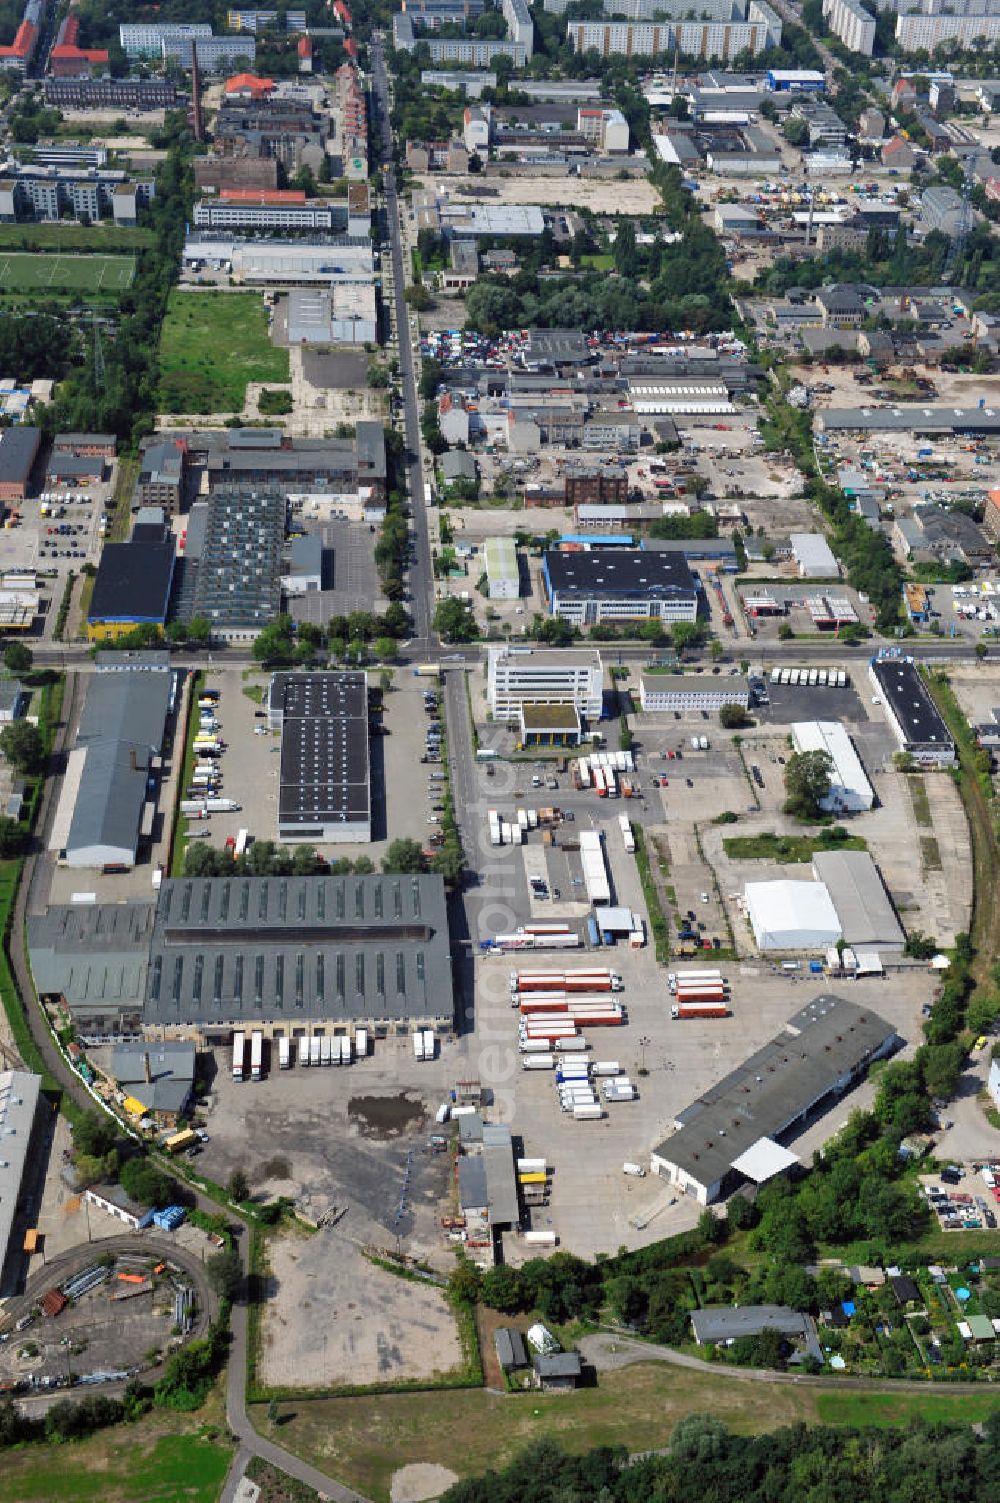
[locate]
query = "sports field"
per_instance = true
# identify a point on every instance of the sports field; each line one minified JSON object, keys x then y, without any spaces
{"x":21,"y":271}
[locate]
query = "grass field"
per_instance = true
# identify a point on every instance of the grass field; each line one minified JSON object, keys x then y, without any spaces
{"x":362,"y":1441}
{"x":768,"y":847}
{"x":123,"y":1465}
{"x":212,"y":344}
{"x":20,"y":271}
{"x":103,"y":239}
{"x":887,"y":1409}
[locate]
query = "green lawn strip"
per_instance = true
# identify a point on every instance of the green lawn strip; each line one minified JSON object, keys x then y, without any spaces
{"x":362,"y":1441}
{"x":658,"y":924}
{"x":100,"y":240}
{"x":120,"y":1466}
{"x":212,"y":344}
{"x":178,"y":845}
{"x":890,"y":1409}
{"x":788,"y":848}
{"x":919,"y":800}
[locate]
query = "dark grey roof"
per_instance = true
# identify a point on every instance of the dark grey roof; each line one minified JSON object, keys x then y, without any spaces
{"x":93,"y":954}
{"x":235,"y":949}
{"x":557,"y":1364}
{"x":162,"y":464}
{"x":555,"y":347}
{"x":908,"y":698}
{"x":171,"y":1073}
{"x":370,"y":441}
{"x":471,"y":1184}
{"x":626,"y":572}
{"x":18,"y":448}
{"x":85,"y":441}
{"x":458,"y":464}
{"x":863,"y":906}
{"x":904,"y":1288}
{"x":63,"y":466}
{"x":693,"y":547}
{"x":129,"y":707}
{"x":498,"y":1157}
{"x":324,"y":775}
{"x":108,"y":807}
{"x":237,"y":572}
{"x":825,"y":1042}
{"x":910,"y":419}
{"x":729,"y":1322}
{"x":12,"y":693}
{"x":133,"y":582}
{"x":511,"y":1350}
{"x":109,"y":661}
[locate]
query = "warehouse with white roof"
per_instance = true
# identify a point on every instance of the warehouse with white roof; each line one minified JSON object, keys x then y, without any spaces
{"x":787,"y":915}
{"x":813,"y":556}
{"x":850,"y":791}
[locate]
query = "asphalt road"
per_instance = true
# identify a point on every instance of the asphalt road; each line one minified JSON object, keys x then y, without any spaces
{"x":421,"y":576}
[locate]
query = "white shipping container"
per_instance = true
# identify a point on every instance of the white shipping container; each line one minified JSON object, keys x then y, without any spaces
{"x":540,"y":1239}
{"x":536,"y":1046}
{"x":607,"y":1067}
{"x":314,"y":1050}
{"x":430,"y":1043}
{"x":538,"y":1062}
{"x":324,"y":1052}
{"x":284,"y":1054}
{"x":531,"y":1166}
{"x":588,"y":1113}
{"x":361,"y":1042}
{"x":345,"y":1050}
{"x":303,"y":1052}
{"x":418,"y":1045}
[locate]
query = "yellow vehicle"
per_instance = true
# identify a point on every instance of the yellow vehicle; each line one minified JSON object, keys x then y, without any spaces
{"x":181,"y":1140}
{"x":980,"y":1043}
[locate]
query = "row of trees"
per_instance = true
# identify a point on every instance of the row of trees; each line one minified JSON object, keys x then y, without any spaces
{"x":705,"y":1463}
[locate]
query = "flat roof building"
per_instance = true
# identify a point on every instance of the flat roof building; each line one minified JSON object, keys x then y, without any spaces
{"x":233,"y":559}
{"x":619,"y":584}
{"x":19,"y":447}
{"x":502,"y":573}
{"x":519,"y":676}
{"x":19,"y":1119}
{"x":159,"y":1077}
{"x":813,"y":556}
{"x":821,"y":1051}
{"x":550,"y":725}
{"x":915,"y":719}
{"x":850,"y":791}
{"x":299,"y":955}
{"x":90,"y":958}
{"x":660,"y":692}
{"x":325,"y":787}
{"x":911,"y":419}
{"x":132,"y":588}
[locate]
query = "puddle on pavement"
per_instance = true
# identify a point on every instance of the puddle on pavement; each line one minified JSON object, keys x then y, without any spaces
{"x":386,"y":1116}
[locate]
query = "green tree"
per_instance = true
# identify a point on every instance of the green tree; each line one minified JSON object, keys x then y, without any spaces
{"x":464,"y":1283}
{"x":225,"y":1273}
{"x":807,"y":782}
{"x":94,"y":1133}
{"x":238,"y":1185}
{"x":143,"y":1182}
{"x":795,"y":132}
{"x":13,"y":836}
{"x":732,"y":717}
{"x":22,"y":745}
{"x":684,"y":634}
{"x":384,"y":649}
{"x":453,"y":621}
{"x":501,"y":1289}
{"x":17,"y":658}
{"x":403,"y":856}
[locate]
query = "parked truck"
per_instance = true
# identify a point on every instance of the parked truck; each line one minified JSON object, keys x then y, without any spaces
{"x":284,"y":1054}
{"x":361,"y":1043}
{"x":239,"y":1052}
{"x":303,"y":1052}
{"x":314,"y":1051}
{"x":700,"y":1010}
{"x":256,"y":1054}
{"x":702,"y":991}
{"x":241,"y":843}
{"x":538,"y":1062}
{"x":418,"y":1044}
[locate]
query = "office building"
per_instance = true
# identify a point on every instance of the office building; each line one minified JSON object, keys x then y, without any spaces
{"x":141,"y":94}
{"x":663,"y":692}
{"x":850,"y":791}
{"x":912,"y":714}
{"x":523,"y":676}
{"x":619,"y":584}
{"x":732,"y":1132}
{"x":324,"y":791}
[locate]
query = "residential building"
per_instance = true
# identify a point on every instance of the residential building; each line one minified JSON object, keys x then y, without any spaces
{"x":718,"y":1325}
{"x":619,"y":585}
{"x":67,"y":59}
{"x":854,"y":25}
{"x":759,"y":29}
{"x":18,"y":56}
{"x":822,"y":1050}
{"x":52,"y":193}
{"x":871,"y":125}
{"x":929,"y":31}
{"x":850,"y":791}
{"x":21,"y":1127}
{"x":520,"y":27}
{"x":557,"y":1372}
{"x":474,"y":52}
{"x":898,"y":153}
{"x":528,"y":676}
{"x":940,"y":207}
{"x":660,"y":693}
{"x":324,"y":791}
{"x":912,"y":714}
{"x":463,"y":81}
{"x":172,"y":41}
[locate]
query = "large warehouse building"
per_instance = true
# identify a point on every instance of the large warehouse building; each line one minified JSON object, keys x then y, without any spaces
{"x":850,"y":790}
{"x":730,"y":1133}
{"x":107,"y":784}
{"x":325,"y":784}
{"x":791,"y":916}
{"x":619,"y":584}
{"x":915,"y":720}
{"x":19,"y":1120}
{"x":290,"y":956}
{"x":864,"y":909}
